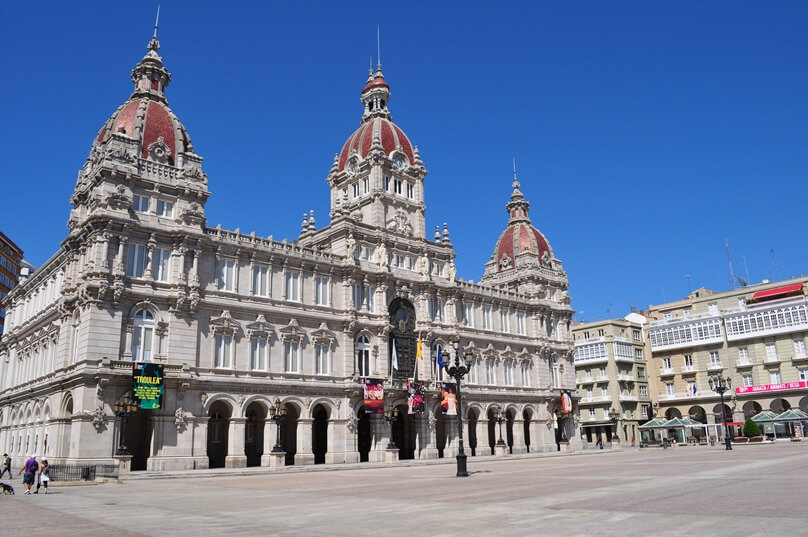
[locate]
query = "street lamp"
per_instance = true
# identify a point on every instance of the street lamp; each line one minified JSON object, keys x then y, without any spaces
{"x":722,"y":384}
{"x":391,"y":417}
{"x":278,"y":415}
{"x":499,"y":419}
{"x":457,"y":371}
{"x":123,"y":408}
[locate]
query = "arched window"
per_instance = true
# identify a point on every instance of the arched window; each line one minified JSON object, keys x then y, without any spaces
{"x":143,"y":336}
{"x":363,"y":356}
{"x":554,"y":373}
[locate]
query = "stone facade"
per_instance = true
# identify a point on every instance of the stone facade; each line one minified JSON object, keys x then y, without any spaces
{"x":242,"y":322}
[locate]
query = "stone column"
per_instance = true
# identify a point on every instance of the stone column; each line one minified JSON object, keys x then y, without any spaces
{"x":483,"y":447}
{"x":380,"y":432}
{"x":304,"y":454}
{"x":235,"y":444}
{"x":270,"y":435}
{"x":519,"y":436}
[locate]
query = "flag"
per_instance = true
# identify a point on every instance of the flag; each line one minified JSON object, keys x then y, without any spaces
{"x":394,"y":360}
{"x":419,"y":352}
{"x":440,"y":358}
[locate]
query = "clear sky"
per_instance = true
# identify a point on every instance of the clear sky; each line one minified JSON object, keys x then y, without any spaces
{"x":645,"y":133}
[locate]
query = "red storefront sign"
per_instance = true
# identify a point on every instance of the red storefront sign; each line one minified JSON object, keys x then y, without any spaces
{"x":772,"y":387}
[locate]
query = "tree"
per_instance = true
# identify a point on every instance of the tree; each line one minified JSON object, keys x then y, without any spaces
{"x":750,"y":428}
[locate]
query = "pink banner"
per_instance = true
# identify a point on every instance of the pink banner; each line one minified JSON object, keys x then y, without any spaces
{"x":773,"y":387}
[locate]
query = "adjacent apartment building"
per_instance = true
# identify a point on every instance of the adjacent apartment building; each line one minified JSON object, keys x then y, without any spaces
{"x":754,"y":335}
{"x":10,"y":263}
{"x":612,"y":377}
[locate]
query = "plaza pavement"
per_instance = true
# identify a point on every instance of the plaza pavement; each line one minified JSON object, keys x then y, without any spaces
{"x":689,"y":491}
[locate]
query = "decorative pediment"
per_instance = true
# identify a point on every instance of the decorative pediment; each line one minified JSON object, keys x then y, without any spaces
{"x":524,"y":357}
{"x":159,"y":151}
{"x":224,"y":324}
{"x":260,"y":329}
{"x":323,"y":335}
{"x":508,"y":354}
{"x":400,"y":223}
{"x":490,"y":353}
{"x":292,"y":331}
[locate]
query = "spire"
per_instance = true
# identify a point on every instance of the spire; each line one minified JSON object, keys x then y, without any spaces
{"x":376,"y":92}
{"x":517,"y":207}
{"x":149,"y":76}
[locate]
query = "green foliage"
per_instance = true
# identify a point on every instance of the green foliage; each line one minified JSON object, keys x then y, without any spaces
{"x":750,"y":428}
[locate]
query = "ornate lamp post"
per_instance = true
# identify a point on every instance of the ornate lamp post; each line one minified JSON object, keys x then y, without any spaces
{"x":457,"y":371}
{"x":722,"y":384}
{"x":123,"y":408}
{"x":499,"y":419}
{"x":277,"y":413}
{"x":391,"y":416}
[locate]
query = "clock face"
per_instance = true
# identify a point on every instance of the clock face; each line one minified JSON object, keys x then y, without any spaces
{"x":399,"y":161}
{"x":354,"y":166}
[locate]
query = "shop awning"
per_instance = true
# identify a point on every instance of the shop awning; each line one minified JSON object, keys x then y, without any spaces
{"x":794,"y":414}
{"x":764,"y":416}
{"x":779,"y":291}
{"x":658,"y":423}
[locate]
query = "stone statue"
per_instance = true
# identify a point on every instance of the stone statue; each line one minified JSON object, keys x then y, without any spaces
{"x":381,"y":256}
{"x":350,"y":244}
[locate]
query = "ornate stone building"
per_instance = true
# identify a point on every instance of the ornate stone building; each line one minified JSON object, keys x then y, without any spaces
{"x":240,"y":321}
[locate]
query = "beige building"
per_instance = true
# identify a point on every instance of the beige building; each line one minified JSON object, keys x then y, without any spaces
{"x":612,"y":376}
{"x":241,"y":322}
{"x":754,"y":335}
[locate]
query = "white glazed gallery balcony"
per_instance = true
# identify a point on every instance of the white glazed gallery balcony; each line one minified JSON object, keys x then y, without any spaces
{"x":789,"y":315}
{"x":595,"y":399}
{"x":686,"y":333}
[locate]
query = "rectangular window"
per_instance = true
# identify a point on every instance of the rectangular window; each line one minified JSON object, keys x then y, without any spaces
{"x":370,"y":292}
{"x":636,"y":335}
{"x":358,"y":296}
{"x":713,"y":308}
{"x":136,"y":260}
{"x":505,"y":321}
{"x":666,"y":363}
{"x":140,"y":204}
{"x":688,"y":360}
{"x":468,"y":316}
{"x":438,"y":269}
{"x":321,"y":291}
{"x":714,"y":360}
{"x":525,"y":375}
{"x":589,"y":393}
{"x":397,"y":186}
{"x":747,"y":380}
{"x":643,"y":391}
{"x":355,"y":190}
{"x":743,"y":355}
{"x":165,"y":208}
{"x":591,"y":413}
{"x":472,"y":375}
{"x":293,"y":286}
{"x":410,"y":190}
{"x":601,"y":332}
{"x":638,"y":354}
{"x":667,"y":316}
{"x":222,"y":351}
{"x":645,"y":410}
{"x":400,"y":261}
{"x":365,"y":185}
{"x":775,"y":377}
{"x":411,"y":263}
{"x":490,"y":378}
{"x":160,"y":264}
{"x":387,"y":183}
{"x":290,"y":357}
{"x":799,"y":348}
{"x":669,"y":388}
{"x":803,"y":374}
{"x":487,"y":318}
{"x":508,"y":374}
{"x":260,"y":281}
{"x":520,"y":324}
{"x":321,"y":359}
{"x":226,"y":276}
{"x":771,"y":352}
{"x":258,"y":354}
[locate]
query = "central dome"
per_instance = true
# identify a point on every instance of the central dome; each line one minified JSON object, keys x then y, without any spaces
{"x":377,"y":124}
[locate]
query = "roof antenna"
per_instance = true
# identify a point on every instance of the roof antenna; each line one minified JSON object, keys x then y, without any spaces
{"x":379,"y":47}
{"x":514,"y":168}
{"x":156,"y":21}
{"x":729,"y":256}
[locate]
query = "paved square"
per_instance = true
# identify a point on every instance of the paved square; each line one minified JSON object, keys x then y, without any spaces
{"x":750,"y":491}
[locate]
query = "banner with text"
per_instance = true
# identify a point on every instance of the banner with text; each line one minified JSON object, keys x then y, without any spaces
{"x":772,"y":387}
{"x":147,"y":385}
{"x":374,"y":396}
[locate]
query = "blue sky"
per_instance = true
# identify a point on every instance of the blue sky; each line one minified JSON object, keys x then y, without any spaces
{"x":645,"y":133}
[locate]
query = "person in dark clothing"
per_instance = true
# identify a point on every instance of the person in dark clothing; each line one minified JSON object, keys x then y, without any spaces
{"x":6,"y":467}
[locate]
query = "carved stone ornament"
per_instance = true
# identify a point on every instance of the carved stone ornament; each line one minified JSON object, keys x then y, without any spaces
{"x":351,"y":423}
{"x":549,"y":424}
{"x":99,"y":418}
{"x":179,"y":419}
{"x":203,"y":397}
{"x":400,"y":223}
{"x":504,"y":262}
{"x":159,"y":151}
{"x":431,"y":422}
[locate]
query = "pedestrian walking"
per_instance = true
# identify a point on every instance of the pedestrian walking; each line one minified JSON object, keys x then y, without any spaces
{"x":31,"y":467}
{"x":44,"y":476}
{"x":6,"y":467}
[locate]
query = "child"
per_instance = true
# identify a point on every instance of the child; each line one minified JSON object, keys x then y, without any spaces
{"x":44,"y":475}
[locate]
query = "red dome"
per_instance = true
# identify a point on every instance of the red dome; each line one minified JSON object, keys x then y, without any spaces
{"x":391,"y":136}
{"x":147,"y":120}
{"x":375,"y":83}
{"x":520,"y":238}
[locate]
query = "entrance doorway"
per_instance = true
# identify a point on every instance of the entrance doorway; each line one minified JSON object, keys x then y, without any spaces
{"x":138,"y":438}
{"x":473,"y":418}
{"x":492,"y":429}
{"x":254,"y":434}
{"x":526,"y":416}
{"x":218,"y":424}
{"x":440,"y":432}
{"x":404,"y":433}
{"x":319,"y":434}
{"x":510,"y":418}
{"x":364,"y":438}
{"x":289,"y":433}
